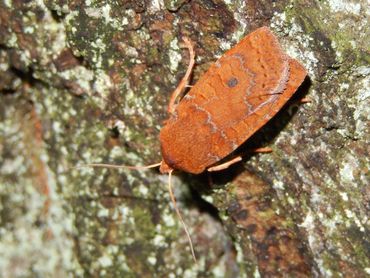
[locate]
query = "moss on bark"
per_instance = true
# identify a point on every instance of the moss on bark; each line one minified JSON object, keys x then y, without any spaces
{"x":89,"y":82}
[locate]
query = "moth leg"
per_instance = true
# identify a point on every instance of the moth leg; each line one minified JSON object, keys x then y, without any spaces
{"x":184,"y":81}
{"x":261,"y":150}
{"x":297,"y":103}
{"x":304,"y":100}
{"x":300,"y":101}
{"x":225,"y":164}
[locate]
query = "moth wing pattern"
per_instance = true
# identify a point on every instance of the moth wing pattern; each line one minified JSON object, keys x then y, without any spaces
{"x":238,"y":94}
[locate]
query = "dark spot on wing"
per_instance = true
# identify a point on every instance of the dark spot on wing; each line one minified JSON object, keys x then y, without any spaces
{"x":232,"y":82}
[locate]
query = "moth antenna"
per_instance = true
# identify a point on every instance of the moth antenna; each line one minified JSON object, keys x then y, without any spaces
{"x":173,"y":199}
{"x":112,"y":166}
{"x":172,"y":196}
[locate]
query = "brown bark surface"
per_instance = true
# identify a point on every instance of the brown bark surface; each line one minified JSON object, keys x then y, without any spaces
{"x":85,"y":81}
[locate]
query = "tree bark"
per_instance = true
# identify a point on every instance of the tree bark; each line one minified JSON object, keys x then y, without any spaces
{"x":85,"y":82}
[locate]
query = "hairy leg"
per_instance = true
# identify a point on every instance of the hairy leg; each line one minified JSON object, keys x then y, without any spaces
{"x":184,"y":81}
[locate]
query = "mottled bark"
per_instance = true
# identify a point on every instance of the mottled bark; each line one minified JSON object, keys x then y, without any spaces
{"x":89,"y":82}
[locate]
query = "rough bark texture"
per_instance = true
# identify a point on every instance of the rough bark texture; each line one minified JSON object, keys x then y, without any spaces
{"x":88,"y":81}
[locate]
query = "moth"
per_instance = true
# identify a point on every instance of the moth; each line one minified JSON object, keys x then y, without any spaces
{"x":238,"y":94}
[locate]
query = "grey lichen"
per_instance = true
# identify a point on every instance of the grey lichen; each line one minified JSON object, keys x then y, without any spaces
{"x":98,"y":77}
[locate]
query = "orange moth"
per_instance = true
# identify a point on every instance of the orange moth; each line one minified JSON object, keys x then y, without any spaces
{"x":238,"y":94}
